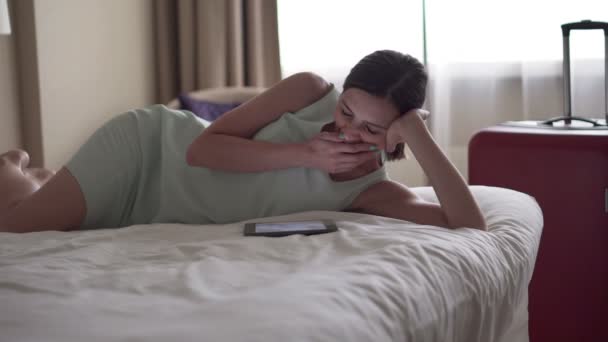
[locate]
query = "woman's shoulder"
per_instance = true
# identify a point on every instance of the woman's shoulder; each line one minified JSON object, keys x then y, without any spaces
{"x":321,"y":99}
{"x":312,"y":87}
{"x":314,"y":83}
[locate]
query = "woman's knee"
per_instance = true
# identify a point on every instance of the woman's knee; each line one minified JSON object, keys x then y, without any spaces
{"x":58,"y":205}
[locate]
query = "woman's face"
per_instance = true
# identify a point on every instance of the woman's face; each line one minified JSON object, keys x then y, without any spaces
{"x":363,"y":117}
{"x":17,"y":181}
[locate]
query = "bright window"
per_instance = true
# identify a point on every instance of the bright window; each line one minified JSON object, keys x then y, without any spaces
{"x":510,"y":30}
{"x":330,"y":36}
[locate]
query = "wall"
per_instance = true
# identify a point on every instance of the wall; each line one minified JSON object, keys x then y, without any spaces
{"x":10,"y":129}
{"x":69,"y":66}
{"x":95,"y":60}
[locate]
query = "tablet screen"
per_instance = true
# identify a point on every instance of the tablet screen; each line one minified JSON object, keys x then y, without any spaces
{"x":288,"y":226}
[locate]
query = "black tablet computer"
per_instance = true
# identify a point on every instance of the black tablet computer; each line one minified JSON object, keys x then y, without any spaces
{"x":288,"y":228}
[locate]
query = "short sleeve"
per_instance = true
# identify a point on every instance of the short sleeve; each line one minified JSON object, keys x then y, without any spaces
{"x":321,"y":109}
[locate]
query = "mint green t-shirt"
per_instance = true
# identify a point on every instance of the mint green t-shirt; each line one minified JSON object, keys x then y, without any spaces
{"x":161,"y":187}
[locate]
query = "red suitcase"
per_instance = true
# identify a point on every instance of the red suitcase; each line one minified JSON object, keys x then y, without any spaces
{"x":566,"y":169}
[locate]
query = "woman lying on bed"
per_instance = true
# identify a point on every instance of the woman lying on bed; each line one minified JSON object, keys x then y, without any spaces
{"x":298,"y":146}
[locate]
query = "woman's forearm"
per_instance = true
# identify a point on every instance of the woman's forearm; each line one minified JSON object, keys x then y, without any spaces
{"x":456,"y":200}
{"x":236,"y":154}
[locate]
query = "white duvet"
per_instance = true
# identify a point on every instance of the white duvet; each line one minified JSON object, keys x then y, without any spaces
{"x":376,"y":279}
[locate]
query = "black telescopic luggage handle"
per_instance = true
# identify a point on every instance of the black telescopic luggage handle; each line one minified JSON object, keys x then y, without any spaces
{"x":582,"y":25}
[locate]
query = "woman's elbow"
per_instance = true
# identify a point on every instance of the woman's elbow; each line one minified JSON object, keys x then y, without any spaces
{"x":482,"y":225}
{"x":479,"y":224}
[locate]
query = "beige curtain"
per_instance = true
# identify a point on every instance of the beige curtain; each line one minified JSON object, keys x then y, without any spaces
{"x":211,"y":43}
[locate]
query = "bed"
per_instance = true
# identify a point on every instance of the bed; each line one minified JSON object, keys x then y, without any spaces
{"x":376,"y":279}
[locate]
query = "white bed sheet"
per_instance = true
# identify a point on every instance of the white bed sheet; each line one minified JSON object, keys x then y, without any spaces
{"x":377,"y":279}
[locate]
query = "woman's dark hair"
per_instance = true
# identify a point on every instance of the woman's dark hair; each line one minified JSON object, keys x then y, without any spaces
{"x":390,"y":74}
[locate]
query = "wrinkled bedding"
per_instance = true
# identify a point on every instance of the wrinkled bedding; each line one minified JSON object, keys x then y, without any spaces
{"x":376,"y":279}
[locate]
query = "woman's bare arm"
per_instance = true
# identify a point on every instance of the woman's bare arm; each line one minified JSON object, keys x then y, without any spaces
{"x":457,"y":206}
{"x":457,"y":202}
{"x":226,"y":144}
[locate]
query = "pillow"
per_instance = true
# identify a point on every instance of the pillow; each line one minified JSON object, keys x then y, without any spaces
{"x":204,"y":109}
